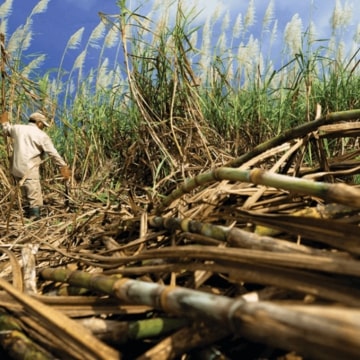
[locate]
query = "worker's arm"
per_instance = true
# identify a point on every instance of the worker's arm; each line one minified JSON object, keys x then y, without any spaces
{"x":49,"y":148}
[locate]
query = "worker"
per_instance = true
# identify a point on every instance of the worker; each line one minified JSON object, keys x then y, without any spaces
{"x":30,"y":144}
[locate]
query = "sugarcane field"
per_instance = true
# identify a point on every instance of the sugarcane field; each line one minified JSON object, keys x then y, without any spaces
{"x":172,"y":205}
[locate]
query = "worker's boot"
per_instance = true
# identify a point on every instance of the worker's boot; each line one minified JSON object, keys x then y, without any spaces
{"x":26,"y":211}
{"x":34,"y":213}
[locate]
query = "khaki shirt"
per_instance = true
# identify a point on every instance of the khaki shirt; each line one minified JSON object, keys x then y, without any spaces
{"x":29,"y":145}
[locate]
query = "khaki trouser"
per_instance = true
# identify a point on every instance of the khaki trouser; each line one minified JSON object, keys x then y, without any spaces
{"x":31,"y":193}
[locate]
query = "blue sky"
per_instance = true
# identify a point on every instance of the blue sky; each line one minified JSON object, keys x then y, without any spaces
{"x":53,"y":28}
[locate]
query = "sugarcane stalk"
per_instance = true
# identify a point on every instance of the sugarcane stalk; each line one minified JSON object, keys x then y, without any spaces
{"x":296,"y":132}
{"x":143,"y":329}
{"x":236,"y":237}
{"x":198,"y":335}
{"x":337,"y":193}
{"x":255,"y":273}
{"x":3,"y":60}
{"x":120,"y":332}
{"x":3,"y":63}
{"x":17,"y":281}
{"x":16,"y":343}
{"x":28,"y":253}
{"x":314,"y":335}
{"x":332,"y":265}
{"x":76,"y":338}
{"x":322,"y":230}
{"x":290,"y":134}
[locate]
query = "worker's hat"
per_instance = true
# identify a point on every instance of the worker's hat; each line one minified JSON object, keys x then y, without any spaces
{"x":36,"y":116}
